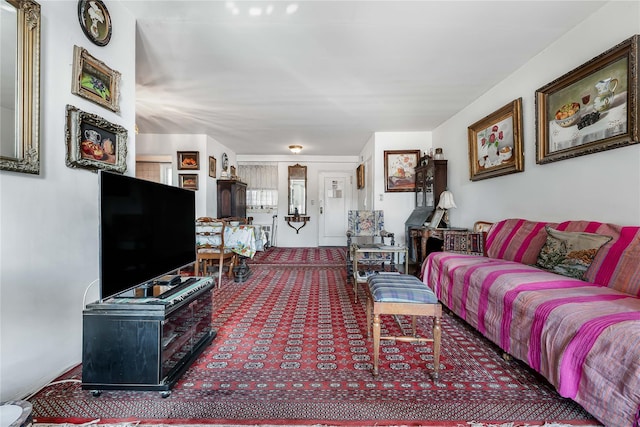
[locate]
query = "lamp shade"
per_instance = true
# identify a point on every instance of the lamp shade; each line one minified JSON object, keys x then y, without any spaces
{"x":446,"y":200}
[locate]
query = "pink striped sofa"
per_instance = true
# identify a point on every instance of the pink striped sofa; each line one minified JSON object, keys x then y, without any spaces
{"x":583,"y":336}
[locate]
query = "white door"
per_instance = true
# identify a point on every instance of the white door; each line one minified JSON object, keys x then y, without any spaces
{"x":334,"y":201}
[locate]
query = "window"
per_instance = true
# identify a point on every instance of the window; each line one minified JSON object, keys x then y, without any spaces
{"x":262,"y":185}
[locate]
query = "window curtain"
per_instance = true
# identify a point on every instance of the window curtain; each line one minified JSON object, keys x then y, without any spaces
{"x":262,"y":185}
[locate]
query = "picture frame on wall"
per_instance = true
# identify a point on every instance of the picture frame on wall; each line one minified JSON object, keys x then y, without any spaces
{"x":495,"y":143}
{"x":399,"y":170}
{"x":212,"y":166}
{"x":188,"y":181}
{"x":93,"y":142}
{"x":436,"y":218}
{"x":94,"y":80}
{"x":360,"y":176}
{"x":95,"y":21}
{"x":592,"y":108}
{"x":188,"y":160}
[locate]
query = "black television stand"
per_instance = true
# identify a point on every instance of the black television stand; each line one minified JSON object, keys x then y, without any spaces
{"x":145,"y":343}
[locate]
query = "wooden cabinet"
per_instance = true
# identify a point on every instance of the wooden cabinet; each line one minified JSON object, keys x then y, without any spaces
{"x":232,"y":198}
{"x":431,"y":181}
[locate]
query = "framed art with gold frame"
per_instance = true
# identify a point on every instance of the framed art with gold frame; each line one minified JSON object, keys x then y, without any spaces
{"x":189,"y":160}
{"x":592,"y":108}
{"x":495,"y":143}
{"x":188,"y":181}
{"x":94,"y":80}
{"x":399,"y":170}
{"x":94,"y":143}
{"x":360,"y":176}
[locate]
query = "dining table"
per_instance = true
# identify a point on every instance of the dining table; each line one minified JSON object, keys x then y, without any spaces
{"x":241,"y":239}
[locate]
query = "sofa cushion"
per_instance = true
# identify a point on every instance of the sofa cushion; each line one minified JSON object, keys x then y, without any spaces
{"x":464,"y":242}
{"x":516,"y":240}
{"x":616,"y":264}
{"x":570,"y":253}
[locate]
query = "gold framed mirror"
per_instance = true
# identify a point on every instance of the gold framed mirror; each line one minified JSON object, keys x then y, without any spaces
{"x":297,"y":182}
{"x":20,"y":95}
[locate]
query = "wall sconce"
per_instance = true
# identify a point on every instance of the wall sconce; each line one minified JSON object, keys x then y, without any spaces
{"x":295,"y":149}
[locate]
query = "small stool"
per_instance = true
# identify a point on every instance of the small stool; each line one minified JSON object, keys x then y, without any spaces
{"x":402,"y":294}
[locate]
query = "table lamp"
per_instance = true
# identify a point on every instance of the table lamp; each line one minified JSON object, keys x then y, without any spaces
{"x":446,"y":202}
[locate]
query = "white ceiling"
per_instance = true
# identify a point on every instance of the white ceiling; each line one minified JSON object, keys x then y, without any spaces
{"x":333,"y":72}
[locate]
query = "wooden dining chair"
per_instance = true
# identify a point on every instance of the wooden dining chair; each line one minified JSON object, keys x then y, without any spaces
{"x":210,"y":247}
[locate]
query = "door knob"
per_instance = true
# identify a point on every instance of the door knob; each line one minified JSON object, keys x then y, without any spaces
{"x":320,"y":210}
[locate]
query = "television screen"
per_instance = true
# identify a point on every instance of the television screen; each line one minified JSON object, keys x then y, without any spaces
{"x":146,"y":230}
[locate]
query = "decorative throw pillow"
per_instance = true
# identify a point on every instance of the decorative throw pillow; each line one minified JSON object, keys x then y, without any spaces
{"x":464,"y":242}
{"x":570,"y":253}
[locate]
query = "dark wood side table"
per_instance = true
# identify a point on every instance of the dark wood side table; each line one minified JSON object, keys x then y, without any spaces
{"x":426,"y":240}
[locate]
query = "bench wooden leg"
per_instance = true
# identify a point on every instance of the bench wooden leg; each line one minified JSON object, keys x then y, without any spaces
{"x":376,"y":342}
{"x":437,"y":334}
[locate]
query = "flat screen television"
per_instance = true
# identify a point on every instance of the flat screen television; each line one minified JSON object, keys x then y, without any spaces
{"x":146,"y":230}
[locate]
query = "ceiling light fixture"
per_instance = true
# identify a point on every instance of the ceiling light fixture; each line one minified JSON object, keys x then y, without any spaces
{"x":295,"y":149}
{"x":292,"y":8}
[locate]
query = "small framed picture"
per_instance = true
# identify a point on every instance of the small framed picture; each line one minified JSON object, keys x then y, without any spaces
{"x":95,"y":21}
{"x":94,"y":80}
{"x":436,"y":219}
{"x":94,"y":143}
{"x":495,"y":143}
{"x":212,"y":166}
{"x":399,"y":170}
{"x":188,"y":181}
{"x":233,"y":172}
{"x":360,"y":176}
{"x":189,"y":160}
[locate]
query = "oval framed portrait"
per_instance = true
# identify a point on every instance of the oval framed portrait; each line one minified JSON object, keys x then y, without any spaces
{"x":95,"y":21}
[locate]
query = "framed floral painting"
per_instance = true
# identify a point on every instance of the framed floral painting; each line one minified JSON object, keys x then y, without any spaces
{"x":495,"y":143}
{"x":399,"y":170}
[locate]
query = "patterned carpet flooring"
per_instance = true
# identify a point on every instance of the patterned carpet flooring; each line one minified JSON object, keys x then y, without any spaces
{"x":292,"y":349}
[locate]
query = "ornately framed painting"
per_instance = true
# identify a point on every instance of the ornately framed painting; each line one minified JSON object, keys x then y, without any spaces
{"x":591,"y":108}
{"x":399,"y":170}
{"x":94,"y":143}
{"x":94,"y":80}
{"x":495,"y":143}
{"x":189,"y":160}
{"x":360,"y":176}
{"x":188,"y":181}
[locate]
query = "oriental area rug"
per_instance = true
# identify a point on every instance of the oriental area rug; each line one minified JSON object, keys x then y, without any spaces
{"x":292,"y":349}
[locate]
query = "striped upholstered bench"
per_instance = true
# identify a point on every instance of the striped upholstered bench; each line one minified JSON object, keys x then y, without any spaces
{"x":401,"y":294}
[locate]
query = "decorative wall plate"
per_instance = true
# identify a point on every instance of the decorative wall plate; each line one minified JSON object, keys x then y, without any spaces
{"x":95,"y":21}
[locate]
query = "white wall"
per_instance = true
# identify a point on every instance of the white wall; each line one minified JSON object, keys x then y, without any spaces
{"x":602,"y":186}
{"x":169,"y":145}
{"x":308,"y":235}
{"x":49,"y":222}
{"x":396,"y":206}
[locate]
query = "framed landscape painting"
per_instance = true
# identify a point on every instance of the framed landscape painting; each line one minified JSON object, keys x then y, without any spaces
{"x":212,"y":166}
{"x":495,"y":143}
{"x":399,"y":170}
{"x":591,"y":108}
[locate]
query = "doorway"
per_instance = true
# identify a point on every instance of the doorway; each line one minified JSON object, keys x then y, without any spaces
{"x":334,"y":202}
